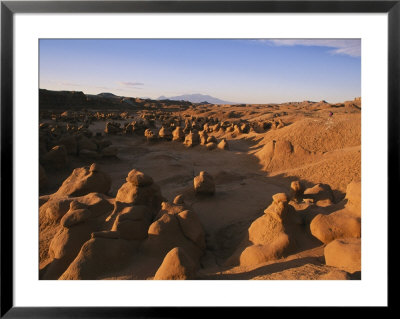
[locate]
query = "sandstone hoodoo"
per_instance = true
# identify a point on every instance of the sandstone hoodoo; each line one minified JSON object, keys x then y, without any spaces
{"x":204,"y":184}
{"x":196,"y":188}
{"x":272,"y":235}
{"x":177,"y":265}
{"x":344,"y":254}
{"x":192,"y":139}
{"x":139,"y":189}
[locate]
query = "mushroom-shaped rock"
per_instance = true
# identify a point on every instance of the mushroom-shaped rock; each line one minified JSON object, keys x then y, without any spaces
{"x":223,"y":145}
{"x":203,"y":137}
{"x":344,"y":253}
{"x":150,"y":135}
{"x":177,"y":265}
{"x":178,"y":134}
{"x":296,"y":189}
{"x":272,"y":235}
{"x":165,"y":134}
{"x":192,"y":139}
{"x":339,"y":224}
{"x":204,"y":184}
{"x":140,"y":190}
{"x":138,"y":178}
{"x":82,"y":181}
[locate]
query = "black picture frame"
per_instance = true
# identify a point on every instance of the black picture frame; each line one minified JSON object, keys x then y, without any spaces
{"x":9,"y":8}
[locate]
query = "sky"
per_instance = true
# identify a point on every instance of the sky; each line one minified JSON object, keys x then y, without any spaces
{"x":235,"y":70}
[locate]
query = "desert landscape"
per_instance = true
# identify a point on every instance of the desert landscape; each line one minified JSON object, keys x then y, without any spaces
{"x":142,"y":179}
{"x":136,"y":188}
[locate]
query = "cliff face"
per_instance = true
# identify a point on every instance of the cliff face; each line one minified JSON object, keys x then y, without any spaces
{"x":76,"y":99}
{"x":61,"y":99}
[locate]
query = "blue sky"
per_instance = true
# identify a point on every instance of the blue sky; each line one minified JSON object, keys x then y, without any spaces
{"x":243,"y":71}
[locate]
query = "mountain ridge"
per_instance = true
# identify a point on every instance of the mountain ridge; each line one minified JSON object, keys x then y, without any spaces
{"x":196,"y":98}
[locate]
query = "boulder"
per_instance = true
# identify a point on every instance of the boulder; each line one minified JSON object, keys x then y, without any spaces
{"x":203,"y":137}
{"x":339,"y":224}
{"x":178,"y":134}
{"x":296,"y":190}
{"x":272,"y":235}
{"x":150,"y":135}
{"x":140,"y":190}
{"x":204,"y":184}
{"x":192,"y":139}
{"x":344,"y":254}
{"x":177,"y":265}
{"x":138,"y":178}
{"x":223,"y":145}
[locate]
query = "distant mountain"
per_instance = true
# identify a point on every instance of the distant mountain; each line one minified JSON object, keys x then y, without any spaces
{"x":108,"y":95}
{"x":196,"y":98}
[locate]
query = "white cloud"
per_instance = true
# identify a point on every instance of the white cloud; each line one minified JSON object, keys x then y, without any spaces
{"x":351,"y":47}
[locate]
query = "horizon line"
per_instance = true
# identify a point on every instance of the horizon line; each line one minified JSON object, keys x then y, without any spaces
{"x":231,"y":103}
